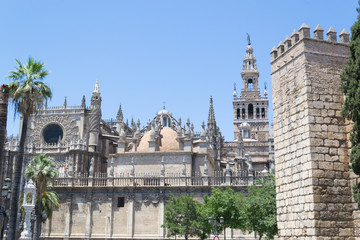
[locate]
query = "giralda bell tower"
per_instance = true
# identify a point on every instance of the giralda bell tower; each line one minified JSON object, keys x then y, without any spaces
{"x":250,"y":109}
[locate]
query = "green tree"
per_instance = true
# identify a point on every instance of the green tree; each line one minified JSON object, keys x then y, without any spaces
{"x":260,"y":208}
{"x":225,"y":203}
{"x":182,"y":217}
{"x":27,"y":93}
{"x":350,"y":77}
{"x":42,"y":170}
{"x":350,"y":83}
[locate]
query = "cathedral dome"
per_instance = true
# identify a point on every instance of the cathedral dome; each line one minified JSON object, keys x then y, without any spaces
{"x":168,"y":141}
{"x":163,"y":112}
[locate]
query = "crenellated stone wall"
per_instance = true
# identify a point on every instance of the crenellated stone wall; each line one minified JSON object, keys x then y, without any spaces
{"x":311,"y":149}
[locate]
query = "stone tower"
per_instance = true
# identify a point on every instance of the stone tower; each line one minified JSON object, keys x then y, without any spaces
{"x":311,"y":157}
{"x":250,"y":109}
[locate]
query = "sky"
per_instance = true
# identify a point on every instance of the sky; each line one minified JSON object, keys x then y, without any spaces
{"x":153,"y":52}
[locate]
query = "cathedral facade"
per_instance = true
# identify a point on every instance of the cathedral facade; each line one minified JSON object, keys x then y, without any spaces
{"x":115,"y":177}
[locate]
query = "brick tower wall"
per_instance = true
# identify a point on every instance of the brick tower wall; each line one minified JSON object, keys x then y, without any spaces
{"x":311,"y":149}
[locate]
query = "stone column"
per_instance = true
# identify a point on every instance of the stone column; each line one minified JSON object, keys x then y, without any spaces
{"x":131,"y":200}
{"x":68,"y":217}
{"x":88,"y":222}
{"x":161,"y":215}
{"x":109,"y":219}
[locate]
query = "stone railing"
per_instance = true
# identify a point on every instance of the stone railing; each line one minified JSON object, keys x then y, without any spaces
{"x":242,"y":178}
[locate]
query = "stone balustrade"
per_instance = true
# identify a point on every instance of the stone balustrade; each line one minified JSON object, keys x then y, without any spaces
{"x":242,"y":178}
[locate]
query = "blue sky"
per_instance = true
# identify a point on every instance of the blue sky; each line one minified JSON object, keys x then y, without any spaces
{"x":148,"y":52}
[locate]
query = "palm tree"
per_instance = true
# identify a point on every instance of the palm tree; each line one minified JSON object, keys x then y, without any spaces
{"x":42,"y":170}
{"x":27,"y":93}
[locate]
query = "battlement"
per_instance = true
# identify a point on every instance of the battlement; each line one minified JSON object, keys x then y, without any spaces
{"x":304,"y":33}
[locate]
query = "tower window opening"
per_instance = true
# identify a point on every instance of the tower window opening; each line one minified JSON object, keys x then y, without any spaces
{"x":243,"y":113}
{"x":250,"y":111}
{"x":250,"y":84}
{"x":249,"y":65}
{"x":164,"y":122}
{"x":238,"y":113}
{"x":257,"y":113}
{"x":263,"y":113}
{"x":121,"y":202}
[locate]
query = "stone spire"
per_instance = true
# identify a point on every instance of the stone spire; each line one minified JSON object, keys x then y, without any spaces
{"x":211,"y":118}
{"x":65,"y":103}
{"x":120,"y":116}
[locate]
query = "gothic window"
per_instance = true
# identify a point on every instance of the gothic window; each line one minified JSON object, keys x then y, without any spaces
{"x":257,"y":113}
{"x":166,"y":122}
{"x":238,"y":113}
{"x":53,"y":133}
{"x":263,"y":113}
{"x":243,"y":113}
{"x":249,"y":65}
{"x":250,"y":84}
{"x":250,"y":111}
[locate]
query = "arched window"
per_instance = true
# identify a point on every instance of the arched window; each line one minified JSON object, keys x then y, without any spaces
{"x":243,"y":113}
{"x":250,"y":84}
{"x":164,"y":121}
{"x":238,"y":113}
{"x":250,"y":111}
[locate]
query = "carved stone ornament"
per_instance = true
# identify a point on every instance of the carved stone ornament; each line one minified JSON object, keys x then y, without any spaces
{"x":70,"y":129}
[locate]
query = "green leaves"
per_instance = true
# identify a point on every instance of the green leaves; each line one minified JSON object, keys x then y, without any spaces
{"x":27,"y":91}
{"x":350,"y":85}
{"x":256,"y":212}
{"x":260,"y":208}
{"x":182,"y":217}
{"x":42,"y":170}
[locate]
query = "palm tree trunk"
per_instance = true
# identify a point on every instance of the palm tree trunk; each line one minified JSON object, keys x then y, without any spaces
{"x":37,"y":214}
{"x":4,"y":98}
{"x":16,"y":182}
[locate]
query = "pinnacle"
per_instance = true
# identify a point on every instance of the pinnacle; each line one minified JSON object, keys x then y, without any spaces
{"x":280,"y":44}
{"x":273,"y":49}
{"x":344,"y":32}
{"x":294,"y":33}
{"x":119,"y":115}
{"x":287,"y":38}
{"x":331,"y":30}
{"x":304,"y":26}
{"x":318,"y":28}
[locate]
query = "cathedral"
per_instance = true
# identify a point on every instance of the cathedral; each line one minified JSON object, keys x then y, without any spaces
{"x":115,"y":177}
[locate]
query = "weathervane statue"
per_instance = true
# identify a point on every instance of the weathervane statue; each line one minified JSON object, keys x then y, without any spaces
{"x":248,"y":39}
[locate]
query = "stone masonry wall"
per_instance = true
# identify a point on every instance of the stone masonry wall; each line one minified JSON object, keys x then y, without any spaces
{"x":312,"y":175}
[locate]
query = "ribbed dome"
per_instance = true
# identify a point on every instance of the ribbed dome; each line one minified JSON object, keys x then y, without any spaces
{"x":168,"y":141}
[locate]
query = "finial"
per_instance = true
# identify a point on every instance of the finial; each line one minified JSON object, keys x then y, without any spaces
{"x":83,"y":102}
{"x":234,"y":86}
{"x":65,"y":103}
{"x":248,"y":39}
{"x":163,"y":104}
{"x":96,"y":88}
{"x":138,"y":123}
